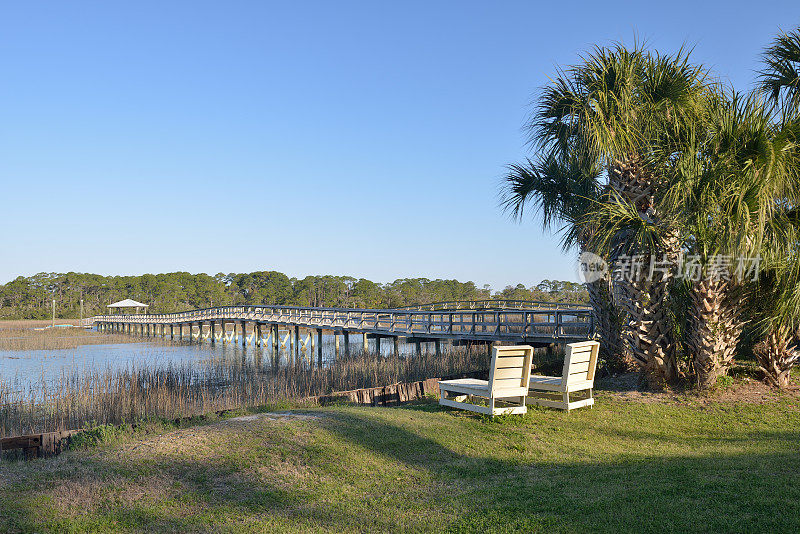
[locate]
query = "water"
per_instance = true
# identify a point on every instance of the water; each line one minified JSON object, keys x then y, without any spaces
{"x":27,"y":367}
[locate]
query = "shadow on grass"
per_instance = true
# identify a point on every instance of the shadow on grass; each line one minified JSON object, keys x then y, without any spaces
{"x":722,"y":493}
{"x":481,"y":488}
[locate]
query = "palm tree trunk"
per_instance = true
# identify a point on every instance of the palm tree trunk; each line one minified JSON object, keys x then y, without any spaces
{"x":776,"y":356}
{"x":714,"y":328}
{"x":649,"y":330}
{"x":608,"y":325}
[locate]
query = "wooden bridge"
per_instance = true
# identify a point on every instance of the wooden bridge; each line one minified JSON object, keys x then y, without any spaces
{"x":462,"y":322}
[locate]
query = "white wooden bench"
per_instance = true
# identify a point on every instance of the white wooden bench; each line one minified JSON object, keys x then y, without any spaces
{"x":509,"y":374}
{"x":578,"y":375}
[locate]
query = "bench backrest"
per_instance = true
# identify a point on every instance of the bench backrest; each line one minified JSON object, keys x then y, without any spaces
{"x":580,"y":361}
{"x":510,"y":368}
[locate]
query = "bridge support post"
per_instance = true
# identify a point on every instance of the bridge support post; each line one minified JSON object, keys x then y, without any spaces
{"x":378,"y":345}
{"x":275,"y":353}
{"x":336,"y":344}
{"x":438,"y":345}
{"x":257,"y":334}
{"x":311,"y":344}
{"x":396,"y":345}
{"x":244,"y":333}
{"x":319,"y":347}
{"x":346,"y":344}
{"x":418,"y":347}
{"x":366,"y":343}
{"x":213,"y":331}
{"x":296,"y":344}
{"x":172,"y":331}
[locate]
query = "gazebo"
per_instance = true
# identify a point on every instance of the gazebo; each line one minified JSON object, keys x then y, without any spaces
{"x":127,"y":303}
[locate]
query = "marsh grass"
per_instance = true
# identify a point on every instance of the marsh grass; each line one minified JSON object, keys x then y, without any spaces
{"x":80,"y":399}
{"x":21,"y":335}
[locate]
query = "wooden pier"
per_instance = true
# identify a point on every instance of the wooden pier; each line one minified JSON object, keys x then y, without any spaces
{"x":508,"y":322}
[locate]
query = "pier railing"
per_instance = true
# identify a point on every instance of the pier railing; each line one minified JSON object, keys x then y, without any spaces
{"x":495,"y":304}
{"x":556,"y":324}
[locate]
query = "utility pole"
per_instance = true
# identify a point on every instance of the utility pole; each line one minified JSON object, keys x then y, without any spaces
{"x":54,"y":312}
{"x":81,"y":323}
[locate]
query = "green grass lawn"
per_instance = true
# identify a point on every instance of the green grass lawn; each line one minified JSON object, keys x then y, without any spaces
{"x":623,"y":466}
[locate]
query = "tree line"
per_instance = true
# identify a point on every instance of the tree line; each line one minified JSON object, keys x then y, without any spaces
{"x":648,"y":160}
{"x":31,"y":297}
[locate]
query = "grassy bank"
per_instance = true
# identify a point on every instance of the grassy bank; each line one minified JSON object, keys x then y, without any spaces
{"x":628,"y":465}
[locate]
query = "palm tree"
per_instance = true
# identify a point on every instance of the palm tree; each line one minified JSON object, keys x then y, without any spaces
{"x":562,"y":193}
{"x":779,"y":309}
{"x":725,"y":202}
{"x":776,"y":312}
{"x":626,"y":112}
{"x":779,"y":80}
{"x":727,"y":190}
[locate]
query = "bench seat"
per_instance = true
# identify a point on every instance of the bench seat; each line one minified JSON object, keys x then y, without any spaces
{"x":508,"y":383}
{"x":580,"y":362}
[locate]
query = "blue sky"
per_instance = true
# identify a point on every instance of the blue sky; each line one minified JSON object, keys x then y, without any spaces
{"x":360,"y":138}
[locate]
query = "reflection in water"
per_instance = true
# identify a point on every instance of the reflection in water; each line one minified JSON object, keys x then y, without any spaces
{"x":23,"y":368}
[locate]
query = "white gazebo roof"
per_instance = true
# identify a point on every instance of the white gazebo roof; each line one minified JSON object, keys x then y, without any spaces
{"x":127,"y":303}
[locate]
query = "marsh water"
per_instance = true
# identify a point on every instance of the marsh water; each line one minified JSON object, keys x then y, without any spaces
{"x":26,"y":367}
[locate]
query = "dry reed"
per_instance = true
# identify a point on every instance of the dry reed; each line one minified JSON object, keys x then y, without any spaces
{"x":20,"y":335}
{"x":178,"y":390}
